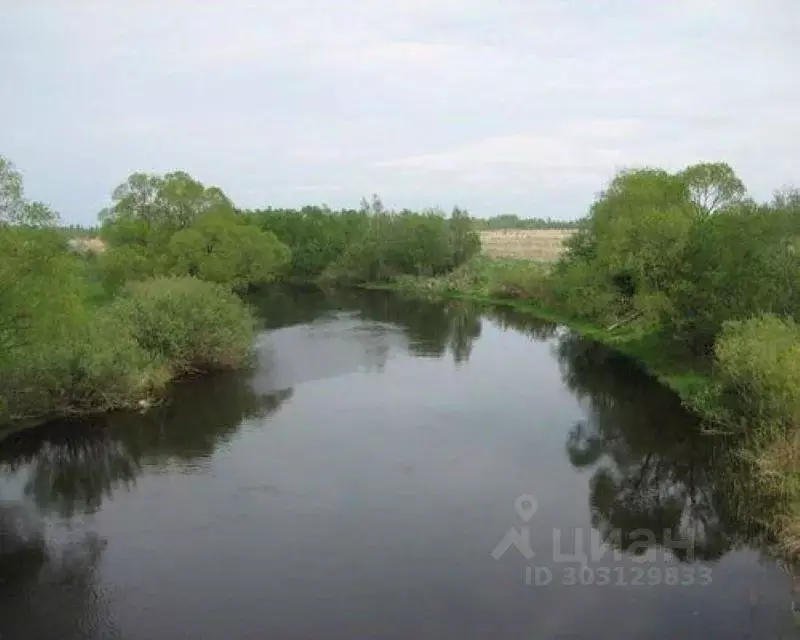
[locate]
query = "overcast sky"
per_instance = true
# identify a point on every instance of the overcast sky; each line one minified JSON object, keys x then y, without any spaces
{"x":501,"y":106}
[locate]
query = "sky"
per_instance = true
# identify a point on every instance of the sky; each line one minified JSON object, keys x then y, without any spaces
{"x":500,"y":106}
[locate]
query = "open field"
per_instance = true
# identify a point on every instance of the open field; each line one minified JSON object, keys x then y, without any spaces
{"x":531,"y":244}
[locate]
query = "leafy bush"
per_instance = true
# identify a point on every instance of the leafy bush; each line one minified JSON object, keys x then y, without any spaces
{"x":520,"y":279}
{"x":583,"y":292}
{"x":96,"y":366}
{"x":41,"y":291}
{"x":127,"y":263}
{"x":193,"y":325}
{"x":758,"y":366}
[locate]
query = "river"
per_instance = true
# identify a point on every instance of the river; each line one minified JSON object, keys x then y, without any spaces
{"x":388,"y":469}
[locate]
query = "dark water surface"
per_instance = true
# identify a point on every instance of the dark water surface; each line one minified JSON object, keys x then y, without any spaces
{"x":390,"y":469}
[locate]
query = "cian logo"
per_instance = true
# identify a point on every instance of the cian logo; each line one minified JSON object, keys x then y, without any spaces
{"x":525,"y":506}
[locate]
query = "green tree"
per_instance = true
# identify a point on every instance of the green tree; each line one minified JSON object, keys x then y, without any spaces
{"x":174,"y":200}
{"x":224,"y":248}
{"x":173,"y":224}
{"x":316,"y":236}
{"x":147,"y":208}
{"x":713,"y":186}
{"x":738,"y":263}
{"x":15,"y":209}
{"x":627,"y":252}
{"x":466,"y":243}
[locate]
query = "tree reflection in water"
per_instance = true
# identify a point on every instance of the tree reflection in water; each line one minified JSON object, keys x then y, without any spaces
{"x":431,"y":328}
{"x":71,"y":467}
{"x":49,"y":590}
{"x":655,"y":471}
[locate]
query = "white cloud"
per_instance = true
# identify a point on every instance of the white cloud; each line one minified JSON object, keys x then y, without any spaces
{"x":505,"y":105}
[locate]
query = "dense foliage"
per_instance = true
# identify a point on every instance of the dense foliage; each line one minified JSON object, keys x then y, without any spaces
{"x":684,"y":252}
{"x":371,"y":244}
{"x":758,"y":367}
{"x":684,"y":270}
{"x":174,"y":225}
{"x":194,"y":325}
{"x":316,"y":236}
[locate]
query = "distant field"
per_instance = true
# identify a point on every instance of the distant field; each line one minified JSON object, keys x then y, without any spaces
{"x":531,"y":244}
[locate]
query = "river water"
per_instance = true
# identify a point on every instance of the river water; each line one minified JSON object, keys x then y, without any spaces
{"x":388,"y":469}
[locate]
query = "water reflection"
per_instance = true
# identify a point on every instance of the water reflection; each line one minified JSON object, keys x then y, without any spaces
{"x":197,"y":418}
{"x":510,"y":318}
{"x":281,"y":306}
{"x":47,"y":585}
{"x":71,"y":467}
{"x":654,"y":471}
{"x":380,"y":484}
{"x":432,"y":329}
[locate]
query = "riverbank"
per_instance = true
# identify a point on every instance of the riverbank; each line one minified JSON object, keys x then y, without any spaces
{"x":515,"y":283}
{"x":773,"y":462}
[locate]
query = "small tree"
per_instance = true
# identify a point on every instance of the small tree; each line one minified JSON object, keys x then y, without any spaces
{"x":465,"y":241}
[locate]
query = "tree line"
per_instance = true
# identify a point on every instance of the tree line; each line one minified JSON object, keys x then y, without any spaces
{"x":512,"y":221}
